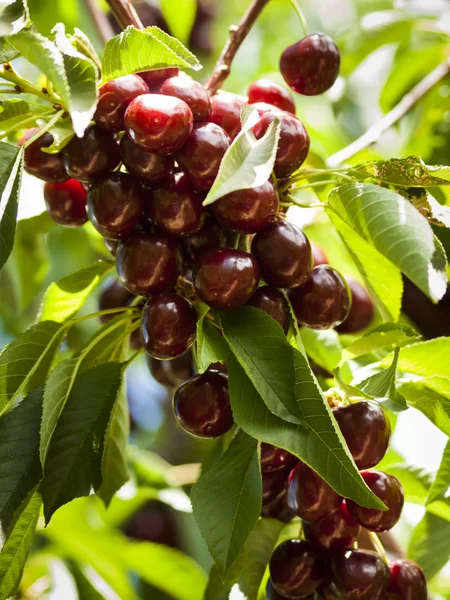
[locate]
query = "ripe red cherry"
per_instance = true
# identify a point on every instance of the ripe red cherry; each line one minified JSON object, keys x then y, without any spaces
{"x":336,"y":531}
{"x":154,"y":79}
{"x":407,"y":581}
{"x":362,"y":310}
{"x":115,"y":205}
{"x":359,"y":574}
{"x":319,"y":256}
{"x":296,"y":569}
{"x":168,"y":326}
{"x":226,"y":112}
{"x":157,"y":123}
{"x":271,"y":594}
{"x":323,"y":301}
{"x":148,"y":263}
{"x":210,"y":237}
{"x":114,"y":97}
{"x":264,"y":90}
{"x":309,"y":495}
{"x":283,"y":253}
{"x":176,"y":207}
{"x":273,"y":484}
{"x":114,"y":295}
{"x":272,"y":302}
{"x":366,"y":430}
{"x":273,"y":458}
{"x":202,"y":405}
{"x":66,"y":202}
{"x":226,"y":278}
{"x":148,"y":167}
{"x":390,"y":491}
{"x":94,"y":155}
{"x":247,"y":211}
{"x":172,"y":373}
{"x":202,"y":154}
{"x":48,"y":167}
{"x":192,"y":92}
{"x":278,"y":509}
{"x":311,"y":66}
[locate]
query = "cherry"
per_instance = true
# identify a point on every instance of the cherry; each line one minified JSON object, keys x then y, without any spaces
{"x":295,"y":569}
{"x":114,"y":295}
{"x":94,"y":155}
{"x":202,"y":154}
{"x":192,"y":92}
{"x":273,"y":458}
{"x":48,"y":167}
{"x":359,"y":574}
{"x":362,"y":310}
{"x":148,"y":167}
{"x":175,"y":207}
{"x":264,"y":107}
{"x":148,"y":263}
{"x":210,"y":237}
{"x":202,"y":405}
{"x":336,"y":531}
{"x":271,"y":594}
{"x":278,"y":508}
{"x":323,"y":301}
{"x":157,"y":123}
{"x":272,"y":302}
{"x":168,"y":326}
{"x":390,"y":491}
{"x":66,"y":202}
{"x":284,"y":255}
{"x":226,"y":278}
{"x":273,"y":484}
{"x":154,"y":79}
{"x":114,"y":97}
{"x":366,"y":430}
{"x":309,"y":495}
{"x":311,"y":66}
{"x":264,"y":90}
{"x":226,"y":112}
{"x":319,"y":256}
{"x":219,"y":367}
{"x":172,"y":373}
{"x":247,"y":211}
{"x":407,"y":581}
{"x":112,"y":245}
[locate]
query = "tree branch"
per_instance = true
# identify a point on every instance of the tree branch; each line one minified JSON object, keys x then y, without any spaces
{"x":238,"y":33}
{"x":125,"y":13}
{"x":398,"y":112}
{"x":102,"y":26}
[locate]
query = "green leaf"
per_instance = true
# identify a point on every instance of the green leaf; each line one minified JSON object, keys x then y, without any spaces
{"x":415,"y":481}
{"x":84,"y":45}
{"x":85,"y":586}
{"x":180,"y":17}
{"x":430,"y":544}
{"x":134,"y":51}
{"x":397,"y":230}
{"x":18,"y":114}
{"x":428,"y":358}
{"x":227,"y":500}
{"x":14,"y":16}
{"x":408,"y":172}
{"x":324,"y":348}
{"x":62,"y":133}
{"x":11,"y":159}
{"x":211,"y":346}
{"x":386,"y":336}
{"x":434,"y":406}
{"x":441,"y":482}
{"x":430,"y":208}
{"x":7,"y":51}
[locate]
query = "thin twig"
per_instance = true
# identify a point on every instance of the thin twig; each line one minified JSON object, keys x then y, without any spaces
{"x":101,"y":23}
{"x":125,"y":13}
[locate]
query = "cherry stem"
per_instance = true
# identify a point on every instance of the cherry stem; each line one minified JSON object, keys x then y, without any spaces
{"x":133,"y":356}
{"x":301,"y":16}
{"x":44,"y":129}
{"x":100,"y":21}
{"x":22,"y":86}
{"x":100,"y":313}
{"x":376,"y":542}
{"x":125,"y":14}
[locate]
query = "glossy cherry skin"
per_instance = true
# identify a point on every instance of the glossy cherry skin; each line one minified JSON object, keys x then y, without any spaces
{"x":168,"y":326}
{"x":284,"y":255}
{"x":362,"y":310}
{"x":273,"y":458}
{"x":407,"y":581}
{"x":48,"y":167}
{"x":309,"y":495}
{"x":247,"y":211}
{"x":148,"y":263}
{"x":114,"y":97}
{"x":359,"y":574}
{"x":190,"y":91}
{"x":202,"y":154}
{"x":273,"y":484}
{"x":271,"y":594}
{"x":264,"y":90}
{"x":390,"y":491}
{"x":175,"y":207}
{"x":148,"y":167}
{"x":311,"y":66}
{"x":272,"y":302}
{"x":323,"y":301}
{"x":66,"y":202}
{"x":94,"y":155}
{"x":172,"y":373}
{"x":111,"y":245}
{"x":210,"y":237}
{"x":366,"y":430}
{"x":336,"y":531}
{"x":278,"y":508}
{"x":226,"y":112}
{"x":202,"y":405}
{"x":115,"y":205}
{"x":155,"y":79}
{"x":226,"y":278}
{"x":296,"y":569}
{"x":114,"y":295}
{"x":319,"y":256}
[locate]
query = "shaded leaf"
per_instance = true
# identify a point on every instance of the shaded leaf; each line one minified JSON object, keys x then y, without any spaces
{"x":11,"y":159}
{"x":430,"y":544}
{"x":324,"y":348}
{"x":211,"y":346}
{"x":430,"y":208}
{"x":16,"y":114}
{"x":408,"y":172}
{"x":441,"y":482}
{"x":14,"y":16}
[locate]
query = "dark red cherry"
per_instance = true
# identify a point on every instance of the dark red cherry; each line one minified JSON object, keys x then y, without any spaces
{"x":362,"y":310}
{"x":247,"y":211}
{"x":336,"y":531}
{"x":323,"y":301}
{"x":226,"y":278}
{"x":309,"y":495}
{"x":155,"y":79}
{"x":271,"y":594}
{"x":148,"y":263}
{"x":366,"y":430}
{"x":272,"y":302}
{"x":296,"y":570}
{"x":115,"y":205}
{"x":202,"y":405}
{"x":278,"y":508}
{"x":157,"y":123}
{"x":284,"y":255}
{"x":407,"y":581}
{"x":311,"y":66}
{"x":112,"y":245}
{"x":172,"y":373}
{"x":273,"y":484}
{"x":359,"y":574}
{"x":114,"y":97}
{"x":390,"y":491}
{"x":48,"y":167}
{"x":202,"y":154}
{"x":192,"y":92}
{"x":226,"y":112}
{"x":66,"y":202}
{"x":114,"y":295}
{"x":263,"y":108}
{"x":319,"y":256}
{"x":273,"y":458}
{"x":94,"y":155}
{"x":264,"y":90}
{"x":148,"y":167}
{"x":175,"y":207}
{"x":219,"y":367}
{"x":210,"y":237}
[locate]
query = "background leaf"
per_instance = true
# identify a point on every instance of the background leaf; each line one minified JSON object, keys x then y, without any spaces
{"x":16,"y":114}
{"x":433,"y":405}
{"x":10,"y":179}
{"x":383,"y":337}
{"x":180,"y":17}
{"x":441,"y":482}
{"x":428,"y":358}
{"x":430,"y":544}
{"x":409,"y":172}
